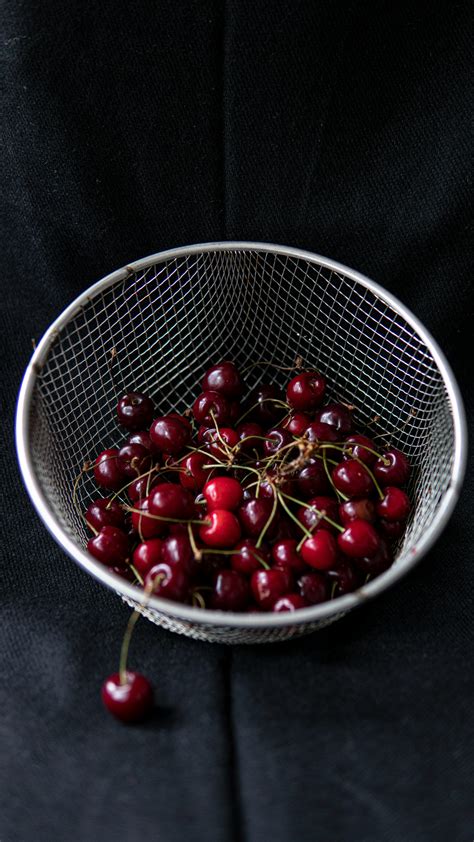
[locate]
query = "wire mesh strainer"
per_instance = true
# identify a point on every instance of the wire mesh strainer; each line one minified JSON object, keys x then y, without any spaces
{"x":157,"y":325}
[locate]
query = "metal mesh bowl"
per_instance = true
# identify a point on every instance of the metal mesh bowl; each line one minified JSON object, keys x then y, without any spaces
{"x":157,"y":324}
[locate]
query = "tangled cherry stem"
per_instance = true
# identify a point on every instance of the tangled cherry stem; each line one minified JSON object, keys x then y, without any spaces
{"x":321,"y":514}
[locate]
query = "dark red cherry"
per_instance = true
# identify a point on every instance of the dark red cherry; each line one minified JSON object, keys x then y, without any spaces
{"x":359,"y":539}
{"x":222,"y":531}
{"x":288,"y":572}
{"x":268,"y":586}
{"x":276,"y":439}
{"x":297,"y":423}
{"x":176,"y":549}
{"x":220,"y":442}
{"x":210,"y":407}
{"x":265,"y":400}
{"x":312,"y":480}
{"x":141,"y":487}
{"x":146,"y":555}
{"x":395,"y":504}
{"x":110,"y":546}
{"x":361,"y":509}
{"x":135,"y":411}
{"x":171,"y":501}
{"x":289,"y":602}
{"x":360,"y":447}
{"x":231,"y":591}
{"x":205,"y":433}
{"x":312,"y":517}
{"x":337,"y":416}
{"x":193,"y":475}
{"x":235,"y":412}
{"x":131,"y":701}
{"x":107,"y":470}
{"x":306,"y":391}
{"x":377,"y":563}
{"x":170,"y":434}
{"x":254,"y":514}
{"x":319,"y":432}
{"x":250,"y":436}
{"x":142,"y":437}
{"x":392,"y":529}
{"x":247,"y":558}
{"x":393,"y":468}
{"x":223,"y":378}
{"x":104,"y":512}
{"x":320,"y":551}
{"x":223,"y":493}
{"x":124,"y":572}
{"x":146,"y":527}
{"x":169,"y":581}
{"x":134,"y":460}
{"x":313,"y":588}
{"x":284,"y":552}
{"x":342,"y":579}
{"x":352,"y":478}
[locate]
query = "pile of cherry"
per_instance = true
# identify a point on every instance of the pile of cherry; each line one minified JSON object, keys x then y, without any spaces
{"x":270,"y":504}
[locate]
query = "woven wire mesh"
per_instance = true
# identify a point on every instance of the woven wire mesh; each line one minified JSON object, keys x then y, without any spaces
{"x":159,"y":328}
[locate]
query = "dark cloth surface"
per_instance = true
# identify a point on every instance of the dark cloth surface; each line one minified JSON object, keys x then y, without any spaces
{"x":130,"y":128}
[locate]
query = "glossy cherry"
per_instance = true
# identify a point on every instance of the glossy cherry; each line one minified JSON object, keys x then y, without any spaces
{"x":319,"y":432}
{"x":393,"y":468}
{"x":395,"y":505}
{"x":142,"y":437}
{"x":276,"y":439}
{"x":135,"y":411}
{"x":231,"y":591}
{"x":110,"y":546}
{"x":360,"y":447}
{"x":377,"y":563}
{"x":284,"y":553}
{"x":342,"y":579}
{"x":223,"y":378}
{"x":176,"y":549}
{"x":312,"y":517}
{"x":223,"y":493}
{"x":290,"y":602}
{"x":312,"y":480}
{"x":210,"y":407}
{"x":359,"y":539}
{"x":297,"y":423}
{"x":320,"y":551}
{"x":250,"y":436}
{"x":313,"y":588}
{"x":146,"y":555}
{"x":254,"y":514}
{"x":306,"y":391}
{"x":134,"y":460}
{"x":222,"y":531}
{"x":104,"y":512}
{"x":146,"y":527}
{"x":361,"y":509}
{"x":171,"y":501}
{"x":193,"y":476}
{"x":221,"y":442}
{"x":247,"y":558}
{"x":352,"y":479}
{"x":170,"y":434}
{"x":131,"y":701}
{"x":107,"y":470}
{"x":169,"y":581}
{"x":141,"y":487}
{"x":337,"y":416}
{"x":268,"y":586}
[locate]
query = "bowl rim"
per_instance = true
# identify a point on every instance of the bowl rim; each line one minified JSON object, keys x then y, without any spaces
{"x":226,"y":619}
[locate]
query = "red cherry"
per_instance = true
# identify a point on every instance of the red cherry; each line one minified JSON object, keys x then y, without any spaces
{"x":146,"y":555}
{"x":313,"y":588}
{"x":170,"y":434}
{"x":337,"y":416}
{"x":359,"y":539}
{"x":395,"y":505}
{"x":268,"y":586}
{"x":297,"y":423}
{"x":377,"y":563}
{"x":276,"y":439}
{"x":393,"y":468}
{"x":254,"y":514}
{"x":146,"y":527}
{"x":361,"y":509}
{"x":319,"y":432}
{"x":216,"y":439}
{"x":135,"y":411}
{"x":131,"y":701}
{"x":134,"y":460}
{"x":109,"y":546}
{"x":104,"y":512}
{"x":141,"y":487}
{"x":223,"y":530}
{"x":176,"y":549}
{"x":359,"y":447}
{"x":310,"y":518}
{"x":342,"y":579}
{"x":107,"y":470}
{"x":320,"y":551}
{"x":142,"y":437}
{"x":250,"y":436}
{"x":231,"y":591}
{"x":223,"y":378}
{"x":171,"y":501}
{"x":284,"y":553}
{"x":288,"y":572}
{"x":223,"y":493}
{"x":312,"y":479}
{"x":193,"y":476}
{"x":290,"y":602}
{"x":247,"y":558}
{"x":169,"y":581}
{"x":352,"y":479}
{"x":210,"y":407}
{"x":306,"y":391}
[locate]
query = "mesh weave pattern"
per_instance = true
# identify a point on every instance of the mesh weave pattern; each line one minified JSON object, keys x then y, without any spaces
{"x":158,"y":329}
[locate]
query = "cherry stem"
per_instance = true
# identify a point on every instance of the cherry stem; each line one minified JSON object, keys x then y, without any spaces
{"x":293,"y":517}
{"x":272,"y":515}
{"x":166,"y":519}
{"x":329,"y":476}
{"x":196,"y":552}
{"x":136,"y":573}
{"x":227,"y":449}
{"x":129,"y":630}
{"x":318,"y":512}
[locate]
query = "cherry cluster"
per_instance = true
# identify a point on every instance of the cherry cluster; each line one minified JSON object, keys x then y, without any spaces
{"x":272,"y":503}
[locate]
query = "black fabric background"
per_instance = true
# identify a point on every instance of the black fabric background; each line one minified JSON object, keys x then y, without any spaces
{"x":342,"y":128}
